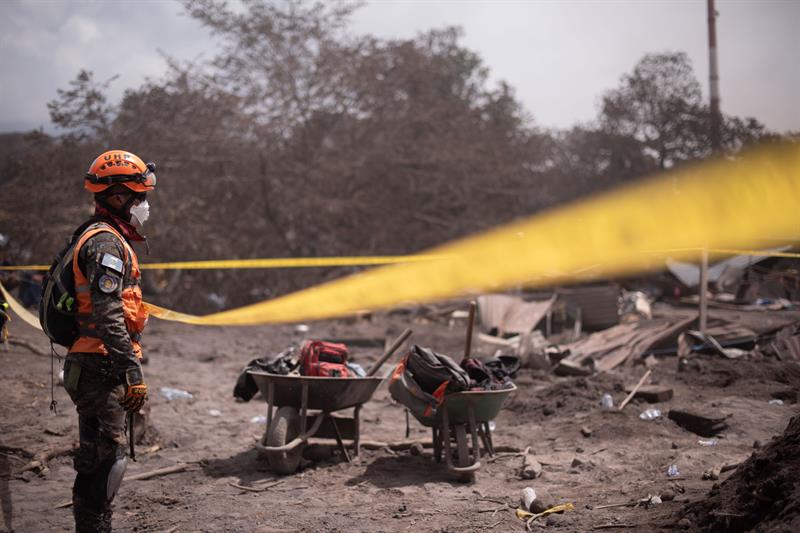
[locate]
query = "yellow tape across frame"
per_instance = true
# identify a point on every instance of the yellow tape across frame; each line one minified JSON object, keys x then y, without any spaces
{"x":277,"y":262}
{"x":719,"y":204}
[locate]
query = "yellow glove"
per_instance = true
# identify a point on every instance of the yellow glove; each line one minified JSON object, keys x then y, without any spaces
{"x":136,"y":392}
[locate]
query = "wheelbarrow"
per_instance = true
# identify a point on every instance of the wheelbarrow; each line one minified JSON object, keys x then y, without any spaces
{"x":467,"y":413}
{"x":291,"y":425}
{"x":463,"y":415}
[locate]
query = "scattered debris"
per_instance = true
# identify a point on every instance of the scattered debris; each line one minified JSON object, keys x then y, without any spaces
{"x":705,"y":425}
{"x":775,"y":402}
{"x":502,"y":313}
{"x":530,"y":517}
{"x":673,"y":471}
{"x":708,"y":442}
{"x":527,"y":498}
{"x":707,"y":342}
{"x":586,"y":432}
{"x":576,"y":462}
{"x":567,"y":367}
{"x":625,"y":342}
{"x":173,"y":394}
{"x":182,"y":467}
{"x":636,"y":388}
{"x":650,"y":414}
{"x":531,"y":468}
{"x":598,"y":304}
{"x":256,"y":489}
{"x":606,"y":402}
{"x":634,"y":305}
{"x":39,"y":462}
{"x":714,"y":472}
{"x":652,"y":393}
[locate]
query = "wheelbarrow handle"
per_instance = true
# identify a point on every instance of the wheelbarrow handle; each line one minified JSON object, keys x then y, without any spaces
{"x":393,"y":348}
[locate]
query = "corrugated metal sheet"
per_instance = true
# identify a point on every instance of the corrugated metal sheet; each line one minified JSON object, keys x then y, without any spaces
{"x":598,"y":304}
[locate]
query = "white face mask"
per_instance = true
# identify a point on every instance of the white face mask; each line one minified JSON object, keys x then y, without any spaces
{"x":140,"y":213}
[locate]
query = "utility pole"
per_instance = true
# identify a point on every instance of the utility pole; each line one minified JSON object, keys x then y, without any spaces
{"x":713,"y":73}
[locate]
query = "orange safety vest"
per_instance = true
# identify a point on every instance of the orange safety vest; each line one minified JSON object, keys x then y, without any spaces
{"x":133,"y":308}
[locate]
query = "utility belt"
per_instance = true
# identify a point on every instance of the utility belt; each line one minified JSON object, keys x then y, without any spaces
{"x":101,"y":368}
{"x":91,"y":331}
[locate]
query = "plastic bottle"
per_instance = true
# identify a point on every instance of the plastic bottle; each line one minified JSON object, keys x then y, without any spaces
{"x":606,"y":402}
{"x":173,"y":394}
{"x":650,"y":414}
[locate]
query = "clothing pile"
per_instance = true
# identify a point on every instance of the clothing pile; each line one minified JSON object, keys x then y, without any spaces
{"x":314,"y":358}
{"x":423,"y":378}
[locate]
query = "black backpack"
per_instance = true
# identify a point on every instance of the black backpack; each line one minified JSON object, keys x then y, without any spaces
{"x":58,"y":307}
{"x":431,"y":369}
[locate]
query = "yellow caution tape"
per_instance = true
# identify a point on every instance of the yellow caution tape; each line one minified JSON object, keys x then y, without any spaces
{"x":765,"y":253}
{"x":19,"y":310}
{"x":716,"y":205}
{"x":279,"y":262}
{"x":316,"y":262}
{"x":720,"y":204}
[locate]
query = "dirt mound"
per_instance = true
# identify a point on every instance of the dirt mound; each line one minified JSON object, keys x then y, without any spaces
{"x":567,"y":397}
{"x":712,"y":371}
{"x":763,"y":494}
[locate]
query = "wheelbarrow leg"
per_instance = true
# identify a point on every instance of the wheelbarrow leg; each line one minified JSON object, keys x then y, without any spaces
{"x":339,"y":440}
{"x":357,"y":429}
{"x":270,"y":401}
{"x":486,"y":434}
{"x":303,"y":408}
{"x":473,"y":429}
{"x":437,"y":444}
{"x":446,"y":438}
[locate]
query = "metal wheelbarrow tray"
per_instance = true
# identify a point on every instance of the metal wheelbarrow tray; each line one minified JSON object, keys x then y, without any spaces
{"x":291,"y":425}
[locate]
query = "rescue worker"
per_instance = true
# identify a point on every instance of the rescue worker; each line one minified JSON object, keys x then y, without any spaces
{"x":102,"y":372}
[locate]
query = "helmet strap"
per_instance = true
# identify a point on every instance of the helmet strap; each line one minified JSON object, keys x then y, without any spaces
{"x":124,"y":211}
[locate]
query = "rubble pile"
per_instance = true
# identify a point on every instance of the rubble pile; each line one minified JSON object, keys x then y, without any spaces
{"x":763,"y":491}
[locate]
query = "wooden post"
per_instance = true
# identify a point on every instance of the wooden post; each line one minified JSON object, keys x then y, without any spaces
{"x":704,"y":291}
{"x":470,"y":324}
{"x":636,"y":388}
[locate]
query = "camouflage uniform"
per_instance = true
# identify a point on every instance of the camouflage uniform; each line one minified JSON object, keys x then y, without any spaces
{"x":101,"y":384}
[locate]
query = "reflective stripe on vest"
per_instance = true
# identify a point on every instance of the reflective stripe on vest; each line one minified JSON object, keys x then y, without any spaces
{"x":133,"y":309}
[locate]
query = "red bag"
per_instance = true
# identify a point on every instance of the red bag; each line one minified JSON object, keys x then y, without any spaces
{"x":324,"y":359}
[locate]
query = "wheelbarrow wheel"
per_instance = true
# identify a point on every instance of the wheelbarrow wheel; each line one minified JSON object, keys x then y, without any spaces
{"x":283,"y":430}
{"x":462,"y":453}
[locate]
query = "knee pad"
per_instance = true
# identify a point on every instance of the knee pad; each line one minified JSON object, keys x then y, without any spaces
{"x":114,"y":477}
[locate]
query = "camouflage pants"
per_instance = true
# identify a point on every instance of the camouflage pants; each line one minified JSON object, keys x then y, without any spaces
{"x":101,"y":425}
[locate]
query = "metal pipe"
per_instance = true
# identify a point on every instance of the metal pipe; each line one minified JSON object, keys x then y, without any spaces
{"x":713,"y":74}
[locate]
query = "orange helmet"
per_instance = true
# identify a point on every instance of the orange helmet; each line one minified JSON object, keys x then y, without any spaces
{"x":120,"y":167}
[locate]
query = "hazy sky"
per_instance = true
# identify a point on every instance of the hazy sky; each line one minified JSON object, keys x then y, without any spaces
{"x":558,"y":55}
